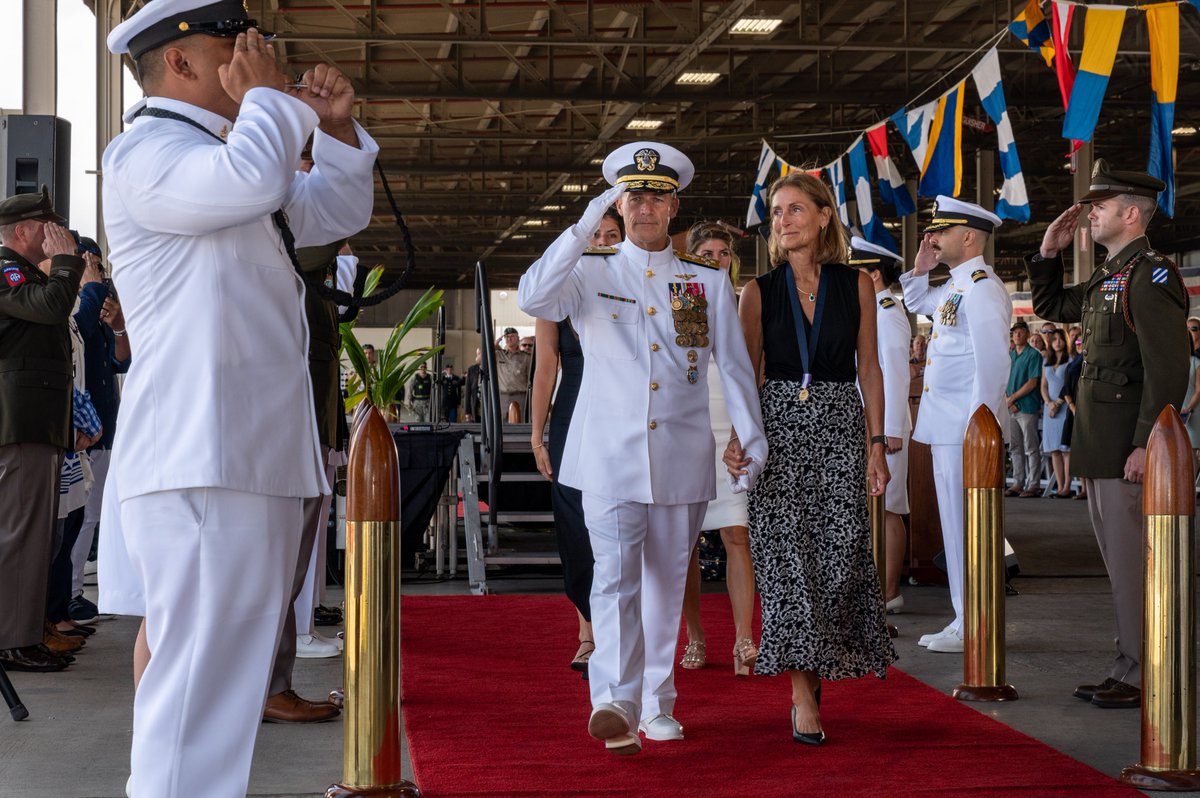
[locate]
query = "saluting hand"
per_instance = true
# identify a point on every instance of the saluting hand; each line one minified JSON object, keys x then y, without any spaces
{"x":58,"y":241}
{"x":926,"y":257}
{"x":1061,"y":232}
{"x":253,"y":66}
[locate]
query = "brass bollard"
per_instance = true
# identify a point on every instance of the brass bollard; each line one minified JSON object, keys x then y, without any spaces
{"x":1168,"y":757}
{"x":371,"y":737}
{"x":875,"y":510}
{"x":983,"y":580}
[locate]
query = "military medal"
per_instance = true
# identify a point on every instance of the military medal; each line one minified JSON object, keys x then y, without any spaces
{"x":948,"y":312}
{"x":690,"y":317}
{"x":806,"y":342}
{"x":692,"y":356}
{"x":693,"y":376}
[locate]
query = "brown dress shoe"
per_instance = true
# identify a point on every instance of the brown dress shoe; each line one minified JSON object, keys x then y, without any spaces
{"x":59,"y":643}
{"x":1119,"y":696}
{"x":287,"y":707}
{"x":35,"y":659}
{"x":1086,"y":691}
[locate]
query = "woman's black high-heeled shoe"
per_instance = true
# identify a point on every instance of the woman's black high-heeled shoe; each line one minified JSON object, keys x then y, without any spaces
{"x":808,"y":738}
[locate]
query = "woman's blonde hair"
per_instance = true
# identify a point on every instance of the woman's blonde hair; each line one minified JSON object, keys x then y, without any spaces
{"x":832,"y":244}
{"x":704,"y":231}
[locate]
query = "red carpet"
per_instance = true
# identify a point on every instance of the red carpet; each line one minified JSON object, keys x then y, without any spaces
{"x":491,"y":709}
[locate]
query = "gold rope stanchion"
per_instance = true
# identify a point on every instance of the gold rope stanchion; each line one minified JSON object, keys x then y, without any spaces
{"x":1168,"y":758}
{"x":875,"y":510}
{"x":371,"y":737}
{"x":983,"y":580}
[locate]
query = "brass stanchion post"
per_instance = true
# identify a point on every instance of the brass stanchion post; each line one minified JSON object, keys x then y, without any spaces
{"x":875,"y":509}
{"x":371,"y":738}
{"x":983,"y":580}
{"x":1168,"y":760}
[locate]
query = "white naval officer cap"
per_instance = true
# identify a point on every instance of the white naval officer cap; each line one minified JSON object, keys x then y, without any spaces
{"x":950,"y":212}
{"x":864,"y":253}
{"x":162,"y":21}
{"x":649,"y":166}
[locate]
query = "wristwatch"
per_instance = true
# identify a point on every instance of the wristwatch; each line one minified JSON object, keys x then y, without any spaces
{"x":880,"y":439}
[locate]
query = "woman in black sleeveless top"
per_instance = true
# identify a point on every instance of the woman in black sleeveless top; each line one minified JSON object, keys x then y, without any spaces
{"x":558,"y":346}
{"x":822,"y":611}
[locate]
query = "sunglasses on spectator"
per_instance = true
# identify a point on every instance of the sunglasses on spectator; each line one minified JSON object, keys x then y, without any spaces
{"x":1193,"y":329}
{"x":527,"y":346}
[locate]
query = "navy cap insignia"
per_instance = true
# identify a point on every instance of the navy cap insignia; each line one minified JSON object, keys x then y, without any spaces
{"x":977,"y":275}
{"x":887,"y":302}
{"x":646,"y":159}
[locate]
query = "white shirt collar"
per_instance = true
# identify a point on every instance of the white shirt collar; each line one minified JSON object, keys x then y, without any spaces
{"x":215,"y":123}
{"x":641,"y":256}
{"x":963,"y":270}
{"x":885,"y":293}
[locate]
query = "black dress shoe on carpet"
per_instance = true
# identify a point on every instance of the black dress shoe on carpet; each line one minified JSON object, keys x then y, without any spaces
{"x":1086,"y":691}
{"x":34,"y":659}
{"x":327,"y":616}
{"x":808,"y":738}
{"x":1119,"y":696}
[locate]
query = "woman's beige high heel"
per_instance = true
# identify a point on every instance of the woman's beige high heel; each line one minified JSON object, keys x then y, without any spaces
{"x":745,"y":654}
{"x":693,"y":656}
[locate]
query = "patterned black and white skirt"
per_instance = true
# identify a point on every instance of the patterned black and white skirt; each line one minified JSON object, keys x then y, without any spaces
{"x":810,"y":540}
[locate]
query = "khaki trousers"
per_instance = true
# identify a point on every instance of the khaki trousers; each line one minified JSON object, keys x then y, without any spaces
{"x":1116,"y":509}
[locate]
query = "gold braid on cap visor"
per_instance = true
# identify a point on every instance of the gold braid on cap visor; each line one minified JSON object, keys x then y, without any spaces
{"x":657,"y":183}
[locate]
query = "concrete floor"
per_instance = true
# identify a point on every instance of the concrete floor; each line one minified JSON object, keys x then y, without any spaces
{"x":1060,"y":631}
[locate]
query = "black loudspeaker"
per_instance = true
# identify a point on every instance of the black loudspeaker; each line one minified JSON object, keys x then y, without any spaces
{"x":36,"y":151}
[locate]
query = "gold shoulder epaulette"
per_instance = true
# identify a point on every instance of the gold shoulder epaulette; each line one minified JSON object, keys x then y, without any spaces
{"x":977,"y":275}
{"x":887,"y":302}
{"x":696,"y":259}
{"x":603,"y":252}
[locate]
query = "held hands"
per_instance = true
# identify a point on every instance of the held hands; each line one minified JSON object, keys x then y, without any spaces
{"x":592,"y":216}
{"x":58,"y":241}
{"x":1061,"y":232}
{"x":926,"y":257}
{"x":253,"y":66}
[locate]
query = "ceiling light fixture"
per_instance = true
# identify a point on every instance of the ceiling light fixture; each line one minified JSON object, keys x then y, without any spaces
{"x":1184,"y":130}
{"x":698,"y":78}
{"x":518,"y":237}
{"x":643,"y":124}
{"x":574,"y":188}
{"x":552,"y":208}
{"x":535,"y":223}
{"x":756,"y":26}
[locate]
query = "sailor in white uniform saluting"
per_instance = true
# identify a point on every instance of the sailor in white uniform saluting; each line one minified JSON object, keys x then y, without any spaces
{"x":967,"y":366}
{"x":893,"y":333}
{"x":640,"y":446}
{"x":217,"y":439}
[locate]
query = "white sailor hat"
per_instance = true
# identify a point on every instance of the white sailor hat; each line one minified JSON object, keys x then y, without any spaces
{"x":162,"y":21}
{"x":649,"y":166}
{"x":864,"y":253}
{"x":949,"y":212}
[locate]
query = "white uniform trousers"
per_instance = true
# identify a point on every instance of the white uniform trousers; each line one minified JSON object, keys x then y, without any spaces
{"x":99,"y":459}
{"x":948,"y":481}
{"x":310,"y":593}
{"x":895,"y":496}
{"x":642,"y":553}
{"x":217,"y":566}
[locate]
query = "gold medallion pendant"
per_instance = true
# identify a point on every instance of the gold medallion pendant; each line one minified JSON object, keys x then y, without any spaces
{"x":803,"y":395}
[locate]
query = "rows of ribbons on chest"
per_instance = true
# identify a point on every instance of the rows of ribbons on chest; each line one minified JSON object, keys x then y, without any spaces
{"x":689,"y":313}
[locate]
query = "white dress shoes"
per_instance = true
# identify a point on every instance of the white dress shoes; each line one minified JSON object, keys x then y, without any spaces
{"x":894,"y":606}
{"x":661,"y":727}
{"x":927,"y":639}
{"x":947,"y":644}
{"x":315,"y":647}
{"x":340,"y":642}
{"x":612,"y":724}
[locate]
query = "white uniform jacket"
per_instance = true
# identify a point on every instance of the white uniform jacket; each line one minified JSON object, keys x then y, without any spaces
{"x":218,"y":394}
{"x":892,"y":337}
{"x":967,"y":361}
{"x":640,"y":431}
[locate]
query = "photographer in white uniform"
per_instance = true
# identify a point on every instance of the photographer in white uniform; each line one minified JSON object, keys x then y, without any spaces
{"x":217,"y":441}
{"x":640,"y":445}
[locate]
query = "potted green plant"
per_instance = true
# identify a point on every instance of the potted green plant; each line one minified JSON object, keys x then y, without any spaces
{"x":380,"y":384}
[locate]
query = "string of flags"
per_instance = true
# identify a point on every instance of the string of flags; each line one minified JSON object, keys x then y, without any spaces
{"x":933,"y":130}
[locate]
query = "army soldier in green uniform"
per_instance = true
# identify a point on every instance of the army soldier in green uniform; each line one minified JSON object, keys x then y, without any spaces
{"x":35,"y":415}
{"x":1135,"y":343}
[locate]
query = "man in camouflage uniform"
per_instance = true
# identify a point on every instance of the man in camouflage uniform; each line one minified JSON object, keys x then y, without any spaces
{"x":1133,"y":310}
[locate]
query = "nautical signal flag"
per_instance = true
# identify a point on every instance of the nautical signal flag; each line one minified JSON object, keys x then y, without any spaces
{"x":1060,"y":30}
{"x":1030,"y":26}
{"x":1163,"y":22}
{"x":934,"y":134}
{"x":837,"y":179}
{"x":872,"y":226}
{"x":1101,"y":35}
{"x":757,"y":212}
{"x":1014,"y":200}
{"x":891,"y":185}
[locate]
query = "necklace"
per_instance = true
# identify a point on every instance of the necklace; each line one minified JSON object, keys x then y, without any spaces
{"x":810,"y":295}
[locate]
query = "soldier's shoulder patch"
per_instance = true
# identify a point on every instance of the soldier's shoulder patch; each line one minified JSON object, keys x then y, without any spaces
{"x":1159,"y":274}
{"x":13,"y":275}
{"x":887,"y":302}
{"x":696,"y":259}
{"x":977,"y":275}
{"x":603,"y":252}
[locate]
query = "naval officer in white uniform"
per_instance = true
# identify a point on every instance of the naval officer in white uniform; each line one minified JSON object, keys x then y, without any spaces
{"x":217,"y":440}
{"x":640,"y":446}
{"x":967,"y":366}
{"x":893,"y":333}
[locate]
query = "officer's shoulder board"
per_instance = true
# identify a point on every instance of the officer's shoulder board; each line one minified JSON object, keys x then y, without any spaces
{"x":603,"y":252}
{"x":887,"y":302}
{"x":11,"y":270}
{"x":696,"y":259}
{"x":977,"y":275}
